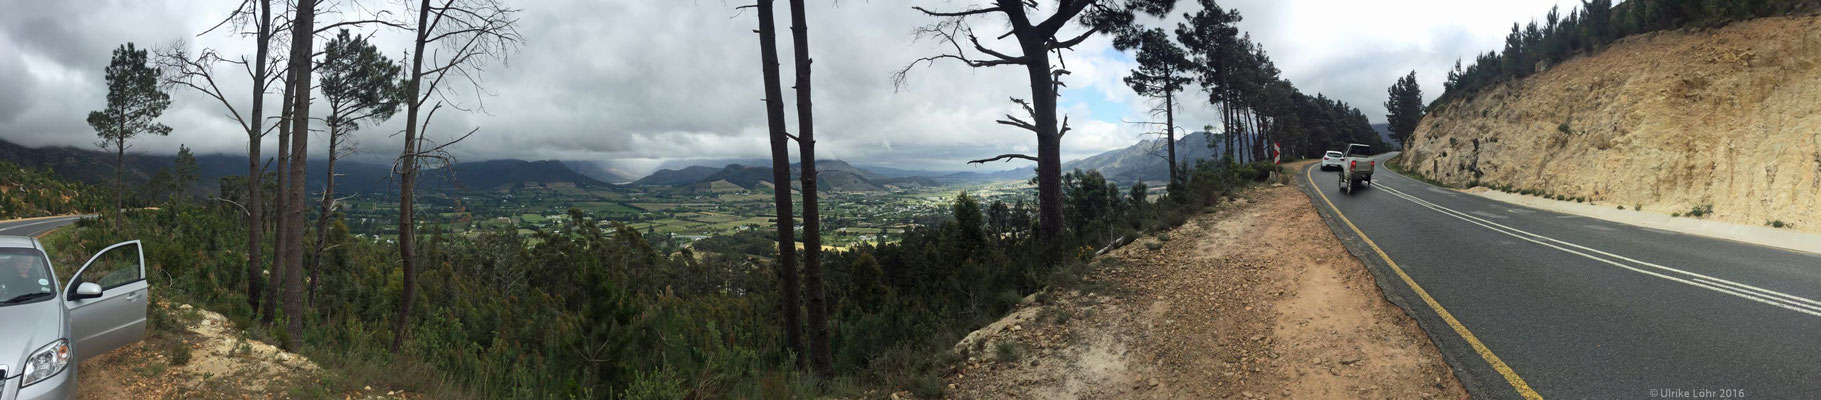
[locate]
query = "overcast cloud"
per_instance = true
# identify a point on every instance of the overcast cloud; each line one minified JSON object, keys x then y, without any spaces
{"x":635,"y":82}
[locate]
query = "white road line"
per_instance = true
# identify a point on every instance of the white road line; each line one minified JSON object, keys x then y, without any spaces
{"x":1487,"y":214}
{"x":1659,"y":231}
{"x":1748,"y":292}
{"x":1567,"y":216}
{"x":1600,"y":227}
{"x":1520,"y":211}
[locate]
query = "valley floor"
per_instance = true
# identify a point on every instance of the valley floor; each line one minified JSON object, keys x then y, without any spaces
{"x":1256,"y":299}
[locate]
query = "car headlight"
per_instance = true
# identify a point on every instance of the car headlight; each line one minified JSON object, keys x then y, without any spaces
{"x":46,"y":362}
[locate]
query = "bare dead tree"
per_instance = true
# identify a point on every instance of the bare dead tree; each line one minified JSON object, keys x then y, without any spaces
{"x":302,"y":48}
{"x":780,"y":173}
{"x":469,"y":33}
{"x":251,"y":18}
{"x":820,"y":360}
{"x":1038,"y":40}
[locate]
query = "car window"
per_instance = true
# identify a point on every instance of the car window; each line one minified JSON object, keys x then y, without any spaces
{"x":115,"y":267}
{"x":1359,"y":149}
{"x":24,"y":272}
{"x":1334,"y":154}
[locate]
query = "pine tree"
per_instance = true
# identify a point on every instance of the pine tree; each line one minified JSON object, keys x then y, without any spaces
{"x":1405,"y":106}
{"x":134,"y":102}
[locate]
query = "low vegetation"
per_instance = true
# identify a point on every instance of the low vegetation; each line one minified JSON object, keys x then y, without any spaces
{"x":579,"y":310}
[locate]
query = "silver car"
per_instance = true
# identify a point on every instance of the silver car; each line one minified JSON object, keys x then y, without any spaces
{"x":47,"y":327}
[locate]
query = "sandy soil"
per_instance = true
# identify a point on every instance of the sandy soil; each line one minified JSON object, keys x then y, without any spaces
{"x":222,"y":364}
{"x":1254,"y":300}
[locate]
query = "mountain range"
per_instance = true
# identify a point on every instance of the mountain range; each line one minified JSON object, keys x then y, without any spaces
{"x":1140,"y":162}
{"x":97,"y":168}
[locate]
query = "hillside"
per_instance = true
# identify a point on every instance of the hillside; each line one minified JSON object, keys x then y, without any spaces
{"x":1145,"y":161}
{"x":667,"y":177}
{"x":1671,"y":120}
{"x":604,"y":172}
{"x":33,"y":193}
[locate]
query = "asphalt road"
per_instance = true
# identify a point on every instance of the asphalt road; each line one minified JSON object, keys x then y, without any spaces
{"x":1531,"y":303}
{"x":33,"y":227}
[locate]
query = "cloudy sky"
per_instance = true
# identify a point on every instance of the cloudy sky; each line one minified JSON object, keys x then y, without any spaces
{"x":636,"y":82}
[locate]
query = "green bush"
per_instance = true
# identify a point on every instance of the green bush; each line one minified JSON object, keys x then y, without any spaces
{"x":178,"y":352}
{"x":1006,"y":351}
{"x":1153,"y":245}
{"x":928,"y":387}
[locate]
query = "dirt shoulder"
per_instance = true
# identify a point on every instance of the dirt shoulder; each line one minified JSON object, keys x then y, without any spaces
{"x":1256,"y":299}
{"x":207,"y":359}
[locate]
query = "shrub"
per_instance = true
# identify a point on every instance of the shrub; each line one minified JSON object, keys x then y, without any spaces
{"x":1163,"y":236}
{"x":1779,"y":224}
{"x":1700,"y":210}
{"x":1006,"y":351}
{"x":1153,"y":245}
{"x":927,"y":386}
{"x":178,"y":351}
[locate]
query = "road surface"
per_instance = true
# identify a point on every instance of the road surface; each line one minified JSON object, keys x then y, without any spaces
{"x":35,"y":226}
{"x":1527,"y":303}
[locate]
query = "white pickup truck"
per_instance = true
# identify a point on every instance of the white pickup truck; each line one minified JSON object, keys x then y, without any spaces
{"x":1356,"y":167}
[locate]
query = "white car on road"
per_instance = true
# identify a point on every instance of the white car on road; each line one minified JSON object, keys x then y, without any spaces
{"x":1331,"y":160}
{"x":47,"y":327}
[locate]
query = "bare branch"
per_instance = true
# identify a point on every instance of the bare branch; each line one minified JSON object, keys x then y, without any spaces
{"x":1014,"y":121}
{"x":1071,"y":42}
{"x":963,"y":13}
{"x":1007,"y":157}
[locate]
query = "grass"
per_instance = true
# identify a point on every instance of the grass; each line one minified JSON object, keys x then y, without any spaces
{"x":1777,"y":223}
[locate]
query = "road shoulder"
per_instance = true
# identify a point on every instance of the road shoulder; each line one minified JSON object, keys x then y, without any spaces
{"x":1472,"y":370}
{"x":1251,"y":300}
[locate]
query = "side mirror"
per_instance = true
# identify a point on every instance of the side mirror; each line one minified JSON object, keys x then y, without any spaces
{"x":86,"y":290}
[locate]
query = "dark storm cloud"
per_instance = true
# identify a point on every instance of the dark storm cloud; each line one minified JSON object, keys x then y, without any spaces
{"x":637,"y":82}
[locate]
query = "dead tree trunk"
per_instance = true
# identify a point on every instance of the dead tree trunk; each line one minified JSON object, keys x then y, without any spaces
{"x":281,"y":232}
{"x":1169,"y":130}
{"x":326,"y":207}
{"x":301,"y":50}
{"x":820,"y":361}
{"x":780,"y":173}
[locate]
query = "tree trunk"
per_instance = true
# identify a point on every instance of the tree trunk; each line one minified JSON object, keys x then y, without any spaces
{"x":820,"y":360}
{"x":255,"y":174}
{"x":281,"y":232}
{"x":407,"y":181}
{"x":1169,"y":129}
{"x":301,"y":49}
{"x":120,"y":174}
{"x":322,"y":219}
{"x":1049,"y":140}
{"x":780,"y":173}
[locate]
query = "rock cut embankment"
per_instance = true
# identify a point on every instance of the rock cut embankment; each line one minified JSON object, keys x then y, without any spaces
{"x":1728,"y":117}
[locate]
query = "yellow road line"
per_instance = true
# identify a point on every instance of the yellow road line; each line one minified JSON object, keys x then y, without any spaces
{"x":1517,"y":383}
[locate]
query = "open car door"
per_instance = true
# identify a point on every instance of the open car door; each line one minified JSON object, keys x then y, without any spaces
{"x":107,"y":300}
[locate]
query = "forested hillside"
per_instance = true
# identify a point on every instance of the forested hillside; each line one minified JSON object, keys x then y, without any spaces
{"x":28,"y":193}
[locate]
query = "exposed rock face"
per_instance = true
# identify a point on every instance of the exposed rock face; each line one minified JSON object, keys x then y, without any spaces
{"x":1729,"y":117}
